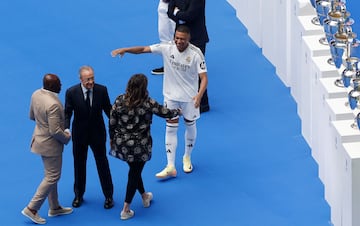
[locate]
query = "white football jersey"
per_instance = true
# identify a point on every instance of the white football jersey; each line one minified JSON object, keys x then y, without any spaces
{"x":181,"y":70}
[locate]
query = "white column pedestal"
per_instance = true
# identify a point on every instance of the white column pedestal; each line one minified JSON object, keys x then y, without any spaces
{"x":336,"y":110}
{"x":320,"y":69}
{"x":343,"y":133}
{"x":310,"y":48}
{"x":301,"y":28}
{"x":350,"y":186}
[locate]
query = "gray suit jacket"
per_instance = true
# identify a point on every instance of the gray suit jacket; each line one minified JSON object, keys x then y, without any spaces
{"x":49,"y":137}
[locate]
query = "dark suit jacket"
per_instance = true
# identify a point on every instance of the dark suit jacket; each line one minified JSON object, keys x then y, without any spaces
{"x":87,"y":126}
{"x":192,"y":12}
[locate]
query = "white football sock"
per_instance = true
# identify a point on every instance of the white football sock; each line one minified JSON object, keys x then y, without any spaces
{"x":190,"y":137}
{"x":171,"y":142}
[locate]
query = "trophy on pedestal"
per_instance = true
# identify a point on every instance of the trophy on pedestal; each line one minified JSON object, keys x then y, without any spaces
{"x":338,"y":45}
{"x":315,"y":20}
{"x":357,"y":122}
{"x":322,"y":9}
{"x":350,"y":73}
{"x":354,"y":97}
{"x":342,"y":44}
{"x":354,"y":94}
{"x":345,"y":42}
{"x":336,"y":15}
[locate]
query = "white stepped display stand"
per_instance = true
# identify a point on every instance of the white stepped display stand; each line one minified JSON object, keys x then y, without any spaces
{"x":320,"y":69}
{"x":350,"y":185}
{"x":336,"y":110}
{"x":289,"y":40}
{"x":311,"y":47}
{"x":343,"y":133}
{"x":301,"y":28}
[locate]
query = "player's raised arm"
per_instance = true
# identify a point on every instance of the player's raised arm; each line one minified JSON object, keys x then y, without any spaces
{"x":133,"y":50}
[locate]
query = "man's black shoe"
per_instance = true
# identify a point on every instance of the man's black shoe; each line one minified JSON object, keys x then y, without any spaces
{"x":77,"y":201}
{"x":158,"y":71}
{"x":109,"y":203}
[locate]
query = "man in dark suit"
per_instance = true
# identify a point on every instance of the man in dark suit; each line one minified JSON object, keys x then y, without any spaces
{"x":88,"y":101}
{"x":192,"y":14}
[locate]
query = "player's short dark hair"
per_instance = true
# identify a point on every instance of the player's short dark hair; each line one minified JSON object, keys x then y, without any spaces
{"x":183,"y":29}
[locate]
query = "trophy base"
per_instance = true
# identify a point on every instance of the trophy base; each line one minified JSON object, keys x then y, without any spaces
{"x":315,"y":21}
{"x":354,"y":125}
{"x":339,"y":83}
{"x":330,"y":61}
{"x":323,"y":41}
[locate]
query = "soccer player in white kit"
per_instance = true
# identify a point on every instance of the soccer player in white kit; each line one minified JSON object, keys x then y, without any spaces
{"x":184,"y":63}
{"x":166,"y":29}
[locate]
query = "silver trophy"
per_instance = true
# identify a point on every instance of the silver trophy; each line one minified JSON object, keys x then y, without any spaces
{"x":331,"y":26}
{"x":353,"y":96}
{"x":337,"y":52}
{"x":322,"y":9}
{"x":353,"y":101}
{"x":357,"y":121}
{"x":315,"y":20}
{"x":342,"y":45}
{"x":351,"y":73}
{"x":336,"y":16}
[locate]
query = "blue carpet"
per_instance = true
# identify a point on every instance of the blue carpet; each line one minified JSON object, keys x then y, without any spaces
{"x":252,"y":166}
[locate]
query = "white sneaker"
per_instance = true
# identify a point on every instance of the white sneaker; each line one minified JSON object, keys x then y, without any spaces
{"x":169,"y":171}
{"x":126,"y":215}
{"x":34,"y":217}
{"x":187,"y":166}
{"x":146,"y":201}
{"x":60,"y":211}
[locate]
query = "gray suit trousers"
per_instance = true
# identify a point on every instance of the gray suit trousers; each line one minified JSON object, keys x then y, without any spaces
{"x":48,"y":186}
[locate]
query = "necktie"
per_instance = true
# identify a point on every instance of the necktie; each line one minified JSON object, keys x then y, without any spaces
{"x":88,"y":98}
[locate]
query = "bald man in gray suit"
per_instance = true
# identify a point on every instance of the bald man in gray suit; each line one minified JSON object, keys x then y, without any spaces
{"x":48,"y":141}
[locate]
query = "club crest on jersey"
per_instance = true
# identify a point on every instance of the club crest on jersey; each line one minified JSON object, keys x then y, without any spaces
{"x":202,"y":65}
{"x":188,"y":59}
